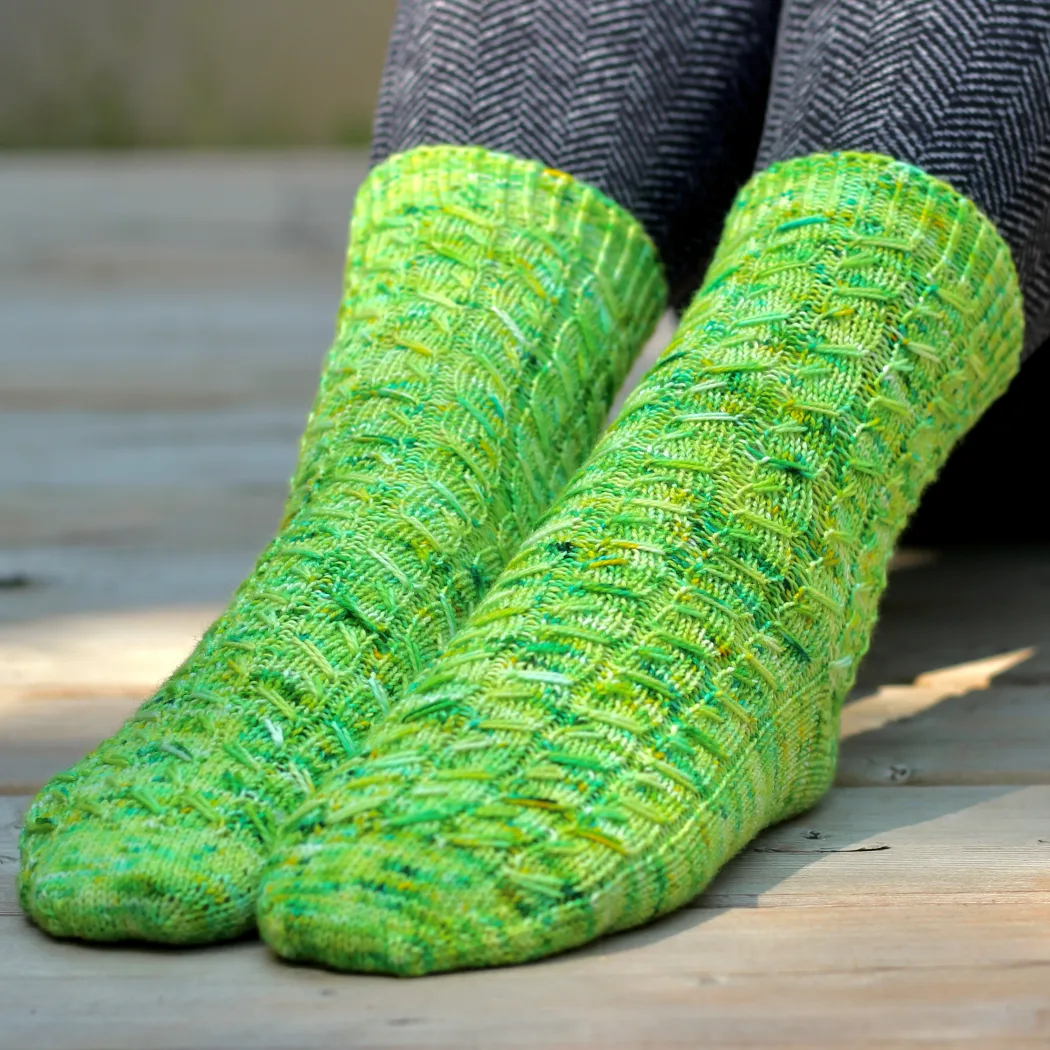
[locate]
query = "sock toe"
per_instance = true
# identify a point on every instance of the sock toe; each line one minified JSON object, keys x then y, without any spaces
{"x":173,"y":886}
{"x":399,"y":905}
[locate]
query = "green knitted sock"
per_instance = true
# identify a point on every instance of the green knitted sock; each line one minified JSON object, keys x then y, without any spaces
{"x":657,"y":674}
{"x":492,"y":307}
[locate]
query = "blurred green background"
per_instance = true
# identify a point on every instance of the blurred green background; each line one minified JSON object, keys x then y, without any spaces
{"x":189,"y":73}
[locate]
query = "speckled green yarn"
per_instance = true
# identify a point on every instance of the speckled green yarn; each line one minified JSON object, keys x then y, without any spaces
{"x":491,"y":309}
{"x":657,"y":674}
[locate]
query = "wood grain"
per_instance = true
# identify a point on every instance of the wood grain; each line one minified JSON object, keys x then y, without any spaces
{"x":164,"y":323}
{"x":823,"y":977}
{"x":983,"y":721}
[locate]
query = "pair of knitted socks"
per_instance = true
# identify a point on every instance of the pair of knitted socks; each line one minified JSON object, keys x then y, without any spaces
{"x":408,"y":748}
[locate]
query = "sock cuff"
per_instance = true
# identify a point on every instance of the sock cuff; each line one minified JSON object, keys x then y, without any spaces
{"x":546,"y":206}
{"x":881,"y":207}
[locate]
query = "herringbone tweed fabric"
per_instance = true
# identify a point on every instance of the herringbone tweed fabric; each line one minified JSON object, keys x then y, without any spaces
{"x":959,"y":88}
{"x":658,"y":103}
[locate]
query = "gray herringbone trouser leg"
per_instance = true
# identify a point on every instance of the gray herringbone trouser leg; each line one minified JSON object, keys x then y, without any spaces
{"x":660,"y":103}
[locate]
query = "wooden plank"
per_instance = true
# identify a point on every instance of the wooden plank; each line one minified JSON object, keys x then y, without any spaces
{"x":67,"y":683}
{"x":893,"y":703}
{"x":823,"y":977}
{"x":963,"y":608}
{"x":165,"y":348}
{"x":11,"y":810}
{"x":966,"y":605}
{"x":59,"y":210}
{"x":872,"y":846}
{"x":821,"y":949}
{"x":955,"y":725}
{"x":996,"y":737}
{"x":881,"y":846}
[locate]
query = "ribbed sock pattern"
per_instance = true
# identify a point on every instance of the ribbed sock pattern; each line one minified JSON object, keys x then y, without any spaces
{"x":659,"y":105}
{"x":657,"y":674}
{"x":959,"y":88}
{"x":491,"y":310}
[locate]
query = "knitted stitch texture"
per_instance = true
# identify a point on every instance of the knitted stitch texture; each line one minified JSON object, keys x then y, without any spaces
{"x":491,"y":309}
{"x":657,"y":674}
{"x":659,"y":105}
{"x":960,"y":88}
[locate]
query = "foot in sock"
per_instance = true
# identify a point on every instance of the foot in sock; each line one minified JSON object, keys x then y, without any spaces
{"x":492,"y":308}
{"x":657,"y":674}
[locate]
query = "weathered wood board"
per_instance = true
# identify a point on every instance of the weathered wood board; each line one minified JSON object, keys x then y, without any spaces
{"x":163,"y":323}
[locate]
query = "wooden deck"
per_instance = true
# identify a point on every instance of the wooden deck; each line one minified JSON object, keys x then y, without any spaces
{"x":162,"y":322}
